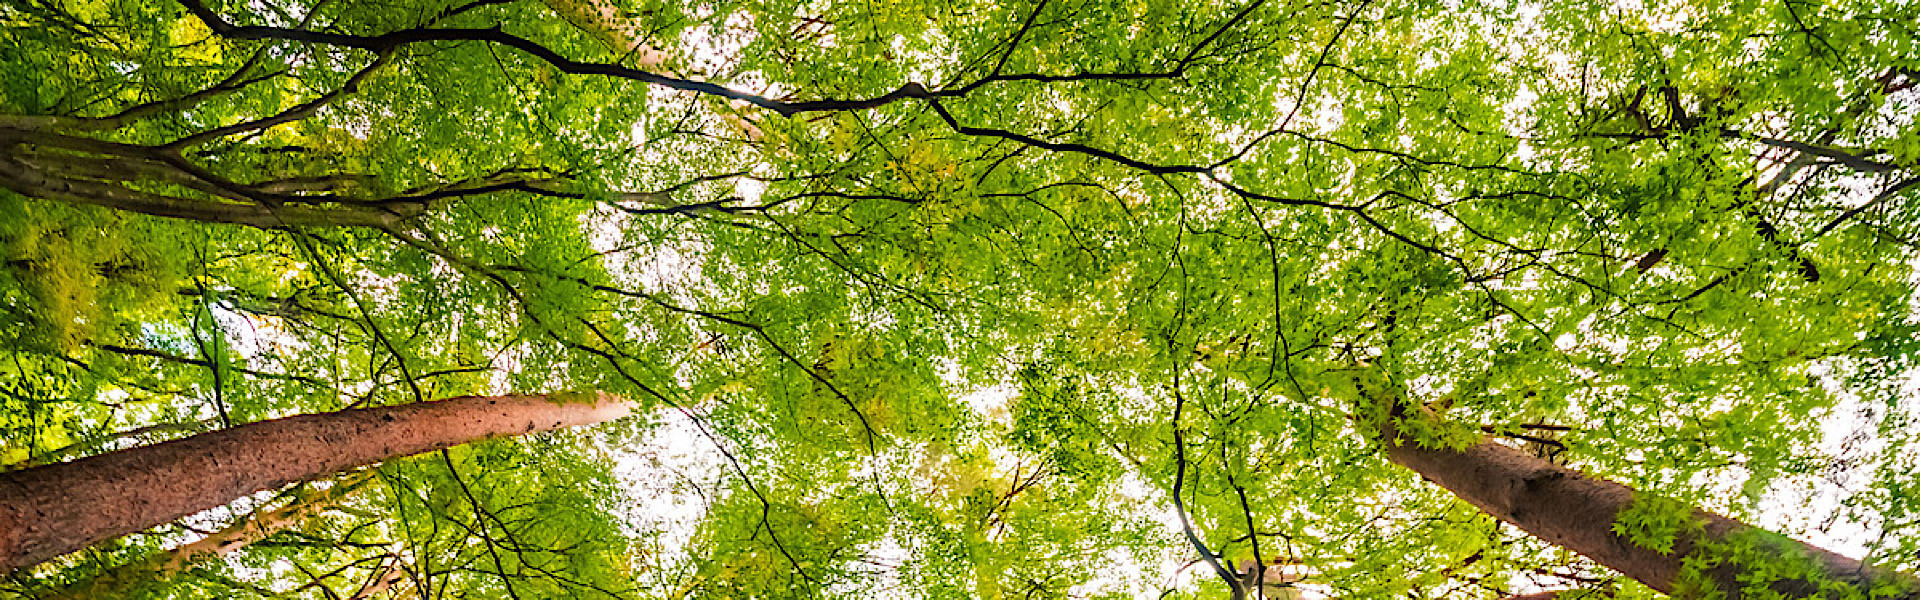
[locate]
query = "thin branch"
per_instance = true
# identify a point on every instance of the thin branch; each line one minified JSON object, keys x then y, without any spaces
{"x":1890,"y":192}
{"x":296,"y":113}
{"x":203,"y":363}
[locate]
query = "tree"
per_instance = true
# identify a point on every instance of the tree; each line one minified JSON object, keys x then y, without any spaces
{"x":969,"y":299}
{"x":122,"y":580}
{"x":56,"y":509}
{"x":1693,"y":553}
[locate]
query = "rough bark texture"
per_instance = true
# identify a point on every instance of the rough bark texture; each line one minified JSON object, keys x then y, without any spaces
{"x":55,"y":509}
{"x":1577,"y":512}
{"x":119,"y":581}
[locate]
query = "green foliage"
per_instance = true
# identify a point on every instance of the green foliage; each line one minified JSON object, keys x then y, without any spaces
{"x":942,"y":344}
{"x":1656,"y":522}
{"x":72,"y":276}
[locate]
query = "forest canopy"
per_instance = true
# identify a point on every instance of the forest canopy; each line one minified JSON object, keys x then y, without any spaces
{"x":963,"y":299}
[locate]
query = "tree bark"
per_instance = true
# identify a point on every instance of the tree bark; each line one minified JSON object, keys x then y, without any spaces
{"x":1577,"y":512}
{"x":119,"y":581}
{"x":55,"y":509}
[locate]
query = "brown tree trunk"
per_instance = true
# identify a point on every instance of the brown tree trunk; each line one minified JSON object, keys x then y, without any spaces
{"x":1577,"y":512}
{"x":119,"y":581}
{"x":55,"y":509}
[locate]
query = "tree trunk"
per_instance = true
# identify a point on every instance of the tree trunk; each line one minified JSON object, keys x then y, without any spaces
{"x":55,"y":509}
{"x":119,"y":581}
{"x":1577,"y":512}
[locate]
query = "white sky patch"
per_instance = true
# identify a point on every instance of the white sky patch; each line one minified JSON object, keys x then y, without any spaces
{"x":714,"y":48}
{"x":666,"y":266}
{"x":880,"y":561}
{"x":637,"y":133}
{"x":750,"y":189}
{"x":1566,"y":342}
{"x":1518,"y":119}
{"x":242,"y":335}
{"x":675,"y":474}
{"x":604,"y":228}
{"x":1853,"y":444}
{"x":505,"y":364}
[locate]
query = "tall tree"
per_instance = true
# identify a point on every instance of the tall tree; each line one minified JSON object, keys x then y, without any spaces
{"x":1671,"y":547}
{"x":303,"y":503}
{"x":55,"y":509}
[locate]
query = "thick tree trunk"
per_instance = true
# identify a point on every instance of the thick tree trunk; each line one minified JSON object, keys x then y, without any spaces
{"x":52,"y":510}
{"x":1577,"y":512}
{"x":119,"y":581}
